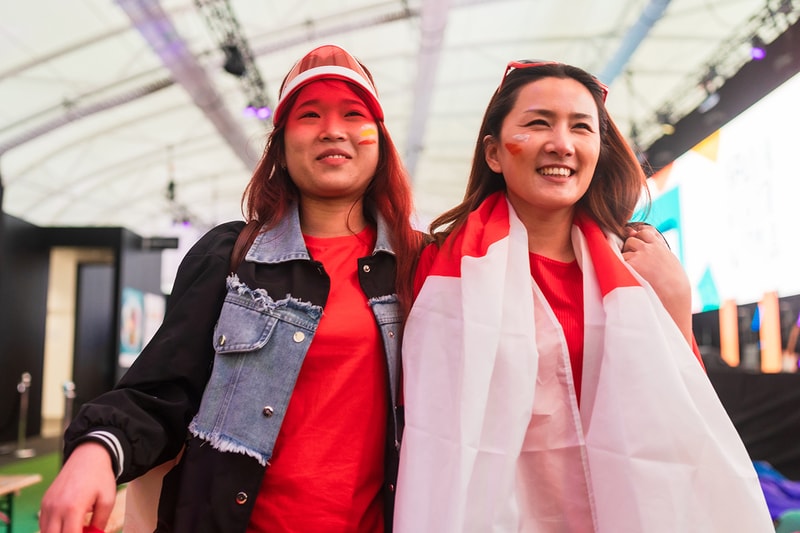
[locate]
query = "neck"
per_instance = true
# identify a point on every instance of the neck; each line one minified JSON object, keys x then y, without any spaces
{"x":549,"y":234}
{"x":325,"y":218}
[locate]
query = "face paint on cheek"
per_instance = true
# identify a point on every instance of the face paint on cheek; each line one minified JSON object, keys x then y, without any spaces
{"x":514,"y":148}
{"x":368,"y":134}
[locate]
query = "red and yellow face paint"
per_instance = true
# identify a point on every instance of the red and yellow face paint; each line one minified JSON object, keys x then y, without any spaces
{"x":368,"y":134}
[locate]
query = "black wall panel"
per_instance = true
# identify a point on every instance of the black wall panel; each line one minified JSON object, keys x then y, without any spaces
{"x":94,"y":370}
{"x":24,"y":269}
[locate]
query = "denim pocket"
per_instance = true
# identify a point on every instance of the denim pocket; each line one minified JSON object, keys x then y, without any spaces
{"x":261,"y":344}
{"x":241,"y":327}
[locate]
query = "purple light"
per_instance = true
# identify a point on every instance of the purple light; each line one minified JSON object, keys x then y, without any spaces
{"x":263,"y":112}
{"x":758,"y":53}
{"x":249,"y":111}
{"x":757,"y":49}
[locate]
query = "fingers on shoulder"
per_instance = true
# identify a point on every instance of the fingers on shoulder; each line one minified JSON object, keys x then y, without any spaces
{"x":632,"y":244}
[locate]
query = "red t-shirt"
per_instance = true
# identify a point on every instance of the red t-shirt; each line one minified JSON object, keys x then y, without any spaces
{"x":327,"y":470}
{"x":562,"y":286}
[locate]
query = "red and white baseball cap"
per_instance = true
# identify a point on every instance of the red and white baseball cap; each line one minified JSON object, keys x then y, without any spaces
{"x":327,"y":62}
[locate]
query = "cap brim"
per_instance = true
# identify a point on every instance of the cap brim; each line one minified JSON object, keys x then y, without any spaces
{"x":328,"y":62}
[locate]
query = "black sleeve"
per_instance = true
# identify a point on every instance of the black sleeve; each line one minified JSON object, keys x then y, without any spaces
{"x":148,"y":411}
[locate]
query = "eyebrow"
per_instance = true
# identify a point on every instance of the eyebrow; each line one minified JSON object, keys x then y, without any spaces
{"x":548,"y":113}
{"x":316,"y":101}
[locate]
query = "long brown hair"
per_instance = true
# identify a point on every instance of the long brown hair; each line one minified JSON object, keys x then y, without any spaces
{"x":618,"y":181}
{"x":271,"y":191}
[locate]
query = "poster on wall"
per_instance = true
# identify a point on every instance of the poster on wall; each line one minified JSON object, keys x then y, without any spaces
{"x":131,"y":331}
{"x":141,"y":315}
{"x":154,"y":307}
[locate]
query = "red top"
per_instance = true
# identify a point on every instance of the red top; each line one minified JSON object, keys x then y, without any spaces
{"x":562,"y":286}
{"x":327,"y":471}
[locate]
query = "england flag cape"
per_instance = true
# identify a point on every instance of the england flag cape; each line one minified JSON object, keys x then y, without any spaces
{"x":495,"y":440}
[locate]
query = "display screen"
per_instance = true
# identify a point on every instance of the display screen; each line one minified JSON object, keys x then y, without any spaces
{"x":729,"y":206}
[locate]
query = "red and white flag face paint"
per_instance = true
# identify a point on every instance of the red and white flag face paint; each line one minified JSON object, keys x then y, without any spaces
{"x":494,"y":438}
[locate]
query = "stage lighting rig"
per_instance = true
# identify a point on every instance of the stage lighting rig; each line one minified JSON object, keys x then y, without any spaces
{"x":239,"y":62}
{"x":699,"y":93}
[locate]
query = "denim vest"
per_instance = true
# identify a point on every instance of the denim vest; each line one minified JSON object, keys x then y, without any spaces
{"x":261,"y":341}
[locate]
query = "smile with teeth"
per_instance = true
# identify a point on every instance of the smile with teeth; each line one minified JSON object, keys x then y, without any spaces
{"x":556,"y":171}
{"x":334,"y":156}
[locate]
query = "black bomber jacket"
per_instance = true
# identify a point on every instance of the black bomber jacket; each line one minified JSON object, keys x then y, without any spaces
{"x":149,"y":410}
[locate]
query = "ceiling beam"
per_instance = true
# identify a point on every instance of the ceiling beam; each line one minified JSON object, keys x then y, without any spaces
{"x":433,"y":21}
{"x":154,"y":24}
{"x":651,"y":14}
{"x":72,"y":113}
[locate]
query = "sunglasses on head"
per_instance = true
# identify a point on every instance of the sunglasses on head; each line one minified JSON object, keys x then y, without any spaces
{"x":528,"y":63}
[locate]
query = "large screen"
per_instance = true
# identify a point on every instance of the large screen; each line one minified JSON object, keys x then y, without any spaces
{"x":729,"y":206}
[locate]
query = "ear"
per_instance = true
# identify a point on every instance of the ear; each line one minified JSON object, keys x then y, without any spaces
{"x":490,"y":148}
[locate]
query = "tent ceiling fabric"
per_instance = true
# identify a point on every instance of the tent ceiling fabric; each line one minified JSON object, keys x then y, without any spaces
{"x":104,"y":102}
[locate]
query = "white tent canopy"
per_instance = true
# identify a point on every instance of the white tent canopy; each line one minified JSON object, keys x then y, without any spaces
{"x":105,"y":103}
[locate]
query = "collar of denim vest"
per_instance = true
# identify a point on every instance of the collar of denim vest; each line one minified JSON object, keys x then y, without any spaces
{"x":284,"y":242}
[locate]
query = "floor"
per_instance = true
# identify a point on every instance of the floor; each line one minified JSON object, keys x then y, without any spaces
{"x":9,"y":451}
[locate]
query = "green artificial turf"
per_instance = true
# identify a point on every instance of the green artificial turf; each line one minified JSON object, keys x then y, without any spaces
{"x":26,"y":503}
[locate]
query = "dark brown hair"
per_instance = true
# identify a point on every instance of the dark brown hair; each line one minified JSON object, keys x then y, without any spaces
{"x":618,"y":180}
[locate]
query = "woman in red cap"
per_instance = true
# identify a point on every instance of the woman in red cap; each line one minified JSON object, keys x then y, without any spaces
{"x":292,"y":410}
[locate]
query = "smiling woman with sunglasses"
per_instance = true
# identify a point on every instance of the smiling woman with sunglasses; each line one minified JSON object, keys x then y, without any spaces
{"x":547,"y":387}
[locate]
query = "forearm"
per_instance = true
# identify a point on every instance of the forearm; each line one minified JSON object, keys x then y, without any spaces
{"x":679,"y":307}
{"x":646,"y":251}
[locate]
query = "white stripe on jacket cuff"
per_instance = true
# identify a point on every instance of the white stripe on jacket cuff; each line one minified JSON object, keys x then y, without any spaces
{"x":112,"y":443}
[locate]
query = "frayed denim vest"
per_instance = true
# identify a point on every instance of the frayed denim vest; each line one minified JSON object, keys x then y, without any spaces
{"x":260,"y":344}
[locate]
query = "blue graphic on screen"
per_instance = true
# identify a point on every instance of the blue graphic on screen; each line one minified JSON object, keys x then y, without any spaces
{"x":665,"y":215}
{"x":707,"y":292}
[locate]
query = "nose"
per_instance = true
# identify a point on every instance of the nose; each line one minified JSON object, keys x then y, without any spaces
{"x":561,"y":142}
{"x":332,"y":129}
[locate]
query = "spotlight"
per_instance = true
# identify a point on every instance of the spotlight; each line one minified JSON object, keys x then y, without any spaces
{"x":234,"y":61}
{"x":263,"y":112}
{"x":757,"y":49}
{"x":666,"y":123}
{"x":249,"y":111}
{"x":709,"y":103}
